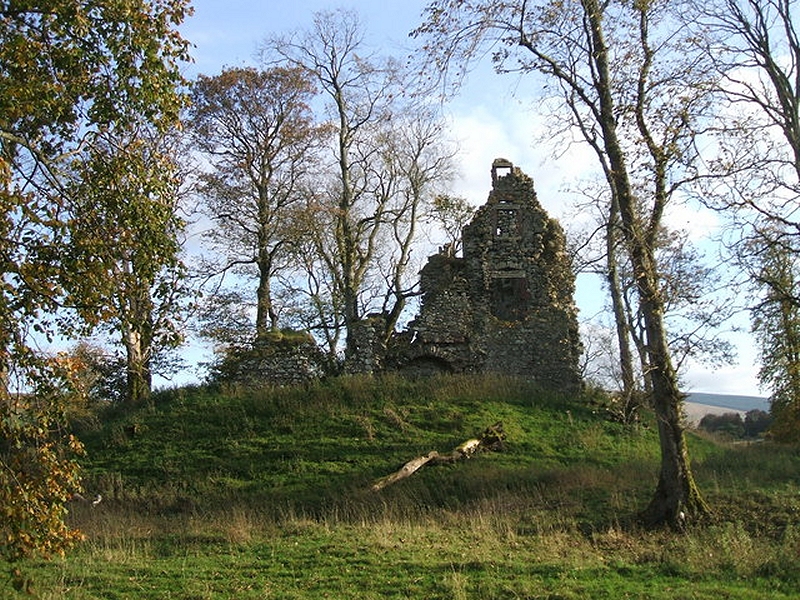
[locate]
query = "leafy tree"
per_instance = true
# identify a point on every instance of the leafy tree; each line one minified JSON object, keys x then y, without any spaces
{"x":776,"y":325}
{"x":72,"y":71}
{"x":756,"y":423}
{"x":39,"y":471}
{"x":729,"y":424}
{"x":258,"y":133}
{"x":225,"y":319}
{"x":125,"y":236}
{"x":614,"y":65}
{"x":451,"y":214}
{"x":694,"y":307}
{"x":101,"y":376}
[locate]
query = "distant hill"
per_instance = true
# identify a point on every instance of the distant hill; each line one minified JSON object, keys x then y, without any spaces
{"x":743,"y":403}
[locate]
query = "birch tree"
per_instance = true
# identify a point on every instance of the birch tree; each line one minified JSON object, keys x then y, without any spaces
{"x":615,"y":68}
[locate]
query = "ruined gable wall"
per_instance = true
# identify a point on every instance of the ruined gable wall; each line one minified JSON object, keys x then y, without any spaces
{"x":512,"y":237}
{"x":507,"y":305}
{"x":521,"y":276}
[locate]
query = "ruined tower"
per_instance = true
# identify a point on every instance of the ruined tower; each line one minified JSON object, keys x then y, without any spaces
{"x":507,"y":304}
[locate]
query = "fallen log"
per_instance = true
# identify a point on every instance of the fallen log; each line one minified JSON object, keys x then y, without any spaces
{"x":492,"y":438}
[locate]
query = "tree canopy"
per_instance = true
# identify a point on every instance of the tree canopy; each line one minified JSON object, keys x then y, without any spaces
{"x":258,"y":132}
{"x":73,"y":72}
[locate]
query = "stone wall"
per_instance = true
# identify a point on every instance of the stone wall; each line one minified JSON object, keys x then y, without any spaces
{"x":368,"y":346}
{"x":507,"y":304}
{"x":278,"y":360}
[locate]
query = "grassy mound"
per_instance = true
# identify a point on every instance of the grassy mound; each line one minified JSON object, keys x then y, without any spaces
{"x":314,"y":451}
{"x":266,"y":494}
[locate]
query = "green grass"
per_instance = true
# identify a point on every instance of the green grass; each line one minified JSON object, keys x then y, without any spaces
{"x":265,"y":494}
{"x":389,"y":560}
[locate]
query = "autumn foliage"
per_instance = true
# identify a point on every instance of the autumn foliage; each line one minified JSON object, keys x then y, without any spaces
{"x":74,"y":72}
{"x":39,"y":470}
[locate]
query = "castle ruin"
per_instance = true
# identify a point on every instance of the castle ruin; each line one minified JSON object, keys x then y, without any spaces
{"x":505,"y":306}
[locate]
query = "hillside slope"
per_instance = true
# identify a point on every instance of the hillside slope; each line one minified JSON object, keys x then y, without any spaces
{"x":730,"y":401}
{"x":317,"y":449}
{"x":267,"y":494}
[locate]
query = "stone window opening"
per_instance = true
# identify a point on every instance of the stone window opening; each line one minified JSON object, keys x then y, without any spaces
{"x":501,"y":168}
{"x":506,"y":223}
{"x":510,"y":298}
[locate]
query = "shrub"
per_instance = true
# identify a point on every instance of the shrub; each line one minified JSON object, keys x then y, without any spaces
{"x":730,"y":424}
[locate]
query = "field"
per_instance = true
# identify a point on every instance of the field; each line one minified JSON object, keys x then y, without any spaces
{"x":266,"y":494}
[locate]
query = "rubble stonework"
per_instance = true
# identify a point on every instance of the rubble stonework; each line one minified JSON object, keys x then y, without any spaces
{"x":279,"y":360}
{"x":368,"y":340}
{"x":507,"y":304}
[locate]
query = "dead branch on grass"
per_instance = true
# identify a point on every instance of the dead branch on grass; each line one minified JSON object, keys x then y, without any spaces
{"x":492,"y":439}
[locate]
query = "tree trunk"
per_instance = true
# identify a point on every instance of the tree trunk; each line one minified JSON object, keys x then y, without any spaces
{"x":676,"y":493}
{"x":677,"y":497}
{"x":266,"y":318}
{"x":137,"y":337}
{"x":138,"y":375}
{"x":351,"y":318}
{"x":618,"y":306}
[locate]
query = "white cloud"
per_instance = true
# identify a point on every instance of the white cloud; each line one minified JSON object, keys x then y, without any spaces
{"x":506,"y":131}
{"x":740,"y":379}
{"x":482,"y":137}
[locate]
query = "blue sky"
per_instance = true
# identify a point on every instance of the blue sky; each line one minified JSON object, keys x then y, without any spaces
{"x":488,"y":121}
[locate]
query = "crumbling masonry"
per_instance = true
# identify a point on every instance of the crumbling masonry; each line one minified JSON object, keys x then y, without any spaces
{"x":507,"y":305}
